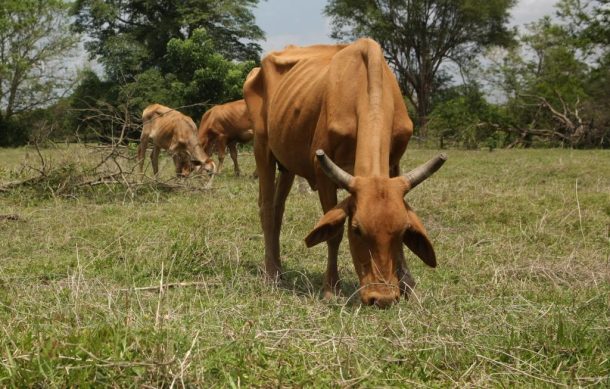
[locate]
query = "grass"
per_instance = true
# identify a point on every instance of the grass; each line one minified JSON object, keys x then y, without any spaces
{"x":520,"y":297}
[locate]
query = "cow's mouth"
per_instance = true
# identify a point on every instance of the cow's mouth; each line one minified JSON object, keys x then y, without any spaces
{"x":380,"y":296}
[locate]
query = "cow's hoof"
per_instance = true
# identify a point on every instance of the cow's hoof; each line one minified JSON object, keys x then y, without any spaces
{"x":273,"y":276}
{"x":331,"y":293}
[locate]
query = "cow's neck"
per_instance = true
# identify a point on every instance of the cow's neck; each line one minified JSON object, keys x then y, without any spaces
{"x":372,"y":149}
{"x":374,"y":127}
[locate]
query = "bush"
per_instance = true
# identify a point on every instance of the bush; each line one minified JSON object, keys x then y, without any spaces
{"x":12,"y":132}
{"x":463,"y":118}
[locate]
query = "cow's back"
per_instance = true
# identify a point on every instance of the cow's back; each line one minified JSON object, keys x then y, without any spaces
{"x":284,"y":100}
{"x":307,"y":98}
{"x":167,"y":126}
{"x":233,"y":118}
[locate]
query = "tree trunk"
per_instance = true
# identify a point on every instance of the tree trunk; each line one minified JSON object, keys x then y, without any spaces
{"x":423,"y":107}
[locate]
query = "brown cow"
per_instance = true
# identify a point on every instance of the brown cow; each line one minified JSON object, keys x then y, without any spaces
{"x":224,"y":126}
{"x":176,"y":133}
{"x":312,"y":105}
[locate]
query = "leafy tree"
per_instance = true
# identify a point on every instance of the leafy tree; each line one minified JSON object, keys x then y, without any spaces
{"x":34,"y":42}
{"x":463,"y":117}
{"x":546,"y":85}
{"x":199,"y":75}
{"x":589,"y":21}
{"x":131,"y":36}
{"x":419,"y":36}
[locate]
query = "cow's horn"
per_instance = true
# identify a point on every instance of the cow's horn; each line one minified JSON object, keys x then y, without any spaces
{"x":339,"y":176}
{"x":420,"y":173}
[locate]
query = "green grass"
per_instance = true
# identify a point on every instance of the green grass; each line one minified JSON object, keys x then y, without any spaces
{"x":520,"y":297}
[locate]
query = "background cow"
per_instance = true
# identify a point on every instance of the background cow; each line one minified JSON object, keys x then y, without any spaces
{"x":309,"y":105}
{"x":224,"y":126}
{"x":176,"y":133}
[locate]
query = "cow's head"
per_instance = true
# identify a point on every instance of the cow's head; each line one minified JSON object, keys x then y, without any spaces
{"x":208,"y":167}
{"x":379,"y":223}
{"x":200,"y":160}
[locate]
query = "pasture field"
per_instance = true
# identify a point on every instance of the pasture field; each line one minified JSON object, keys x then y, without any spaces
{"x":520,"y":296}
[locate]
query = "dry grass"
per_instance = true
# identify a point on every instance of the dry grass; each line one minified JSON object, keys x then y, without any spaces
{"x":520,"y":296}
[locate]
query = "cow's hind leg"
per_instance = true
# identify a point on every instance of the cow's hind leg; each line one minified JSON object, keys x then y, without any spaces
{"x":142,"y":149}
{"x":282,"y":189}
{"x":233,"y":153}
{"x":221,"y":146}
{"x":328,"y":198}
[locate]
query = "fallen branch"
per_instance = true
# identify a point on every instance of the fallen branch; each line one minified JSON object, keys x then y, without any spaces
{"x":166,"y":286}
{"x":15,"y":184}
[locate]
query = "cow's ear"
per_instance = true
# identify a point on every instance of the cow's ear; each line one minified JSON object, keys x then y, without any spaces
{"x":416,"y":239}
{"x":329,"y":225}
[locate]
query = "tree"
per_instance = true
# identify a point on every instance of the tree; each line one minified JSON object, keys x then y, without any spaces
{"x":419,"y":36}
{"x":199,"y":78}
{"x":131,"y":36}
{"x":34,"y":42}
{"x":588,"y":20}
{"x":546,"y":85}
{"x":199,"y":75}
{"x":463,"y":117}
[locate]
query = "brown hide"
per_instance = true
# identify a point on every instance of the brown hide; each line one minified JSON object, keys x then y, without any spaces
{"x":175,"y":132}
{"x":344,"y":100}
{"x":224,"y":126}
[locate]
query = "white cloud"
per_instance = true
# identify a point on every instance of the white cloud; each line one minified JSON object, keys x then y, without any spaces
{"x":527,"y":11}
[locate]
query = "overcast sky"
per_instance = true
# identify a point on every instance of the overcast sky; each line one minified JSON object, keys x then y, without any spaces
{"x":301,"y":22}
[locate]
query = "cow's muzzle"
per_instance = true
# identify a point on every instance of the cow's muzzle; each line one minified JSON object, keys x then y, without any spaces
{"x":380,"y":298}
{"x":208,"y":167}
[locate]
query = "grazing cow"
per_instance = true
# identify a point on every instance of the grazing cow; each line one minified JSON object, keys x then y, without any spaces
{"x":224,"y":126}
{"x":176,"y":133}
{"x":311,"y":106}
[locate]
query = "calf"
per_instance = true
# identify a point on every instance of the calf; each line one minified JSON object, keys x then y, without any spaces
{"x":172,"y":131}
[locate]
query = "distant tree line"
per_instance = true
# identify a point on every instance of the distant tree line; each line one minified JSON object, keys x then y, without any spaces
{"x":468,"y":79}
{"x":472,"y":82}
{"x":187,"y":54}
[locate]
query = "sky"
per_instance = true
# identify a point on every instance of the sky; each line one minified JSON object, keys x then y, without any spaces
{"x":301,"y":22}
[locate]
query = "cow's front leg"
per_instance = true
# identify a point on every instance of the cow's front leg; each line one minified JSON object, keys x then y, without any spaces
{"x":406,"y":283}
{"x":154,"y":159}
{"x":265,"y":166}
{"x":327,"y":192}
{"x":177,"y":165}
